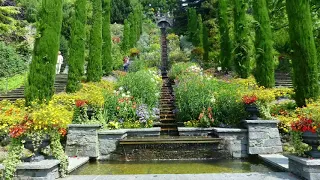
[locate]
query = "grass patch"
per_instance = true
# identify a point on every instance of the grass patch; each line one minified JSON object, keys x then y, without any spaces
{"x":11,"y":83}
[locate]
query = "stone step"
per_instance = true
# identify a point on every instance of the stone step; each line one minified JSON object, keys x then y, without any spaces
{"x":166,"y":115}
{"x":168,"y":119}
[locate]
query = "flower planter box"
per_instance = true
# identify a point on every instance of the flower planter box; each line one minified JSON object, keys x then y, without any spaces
{"x":303,"y":167}
{"x":144,"y":132}
{"x":190,"y":131}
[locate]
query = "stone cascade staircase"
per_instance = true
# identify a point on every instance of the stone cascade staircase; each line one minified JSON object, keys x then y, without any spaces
{"x":167,"y":117}
{"x":59,"y":85}
{"x":283,"y":79}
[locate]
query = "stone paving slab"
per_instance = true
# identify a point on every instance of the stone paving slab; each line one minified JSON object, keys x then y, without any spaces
{"x":227,"y":176}
{"x":276,"y":160}
{"x":76,"y":162}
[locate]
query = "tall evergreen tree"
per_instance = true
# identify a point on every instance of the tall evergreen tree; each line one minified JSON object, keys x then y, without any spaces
{"x":264,"y":58}
{"x":200,"y":32}
{"x":107,"y":64}
{"x":77,"y":46}
{"x":94,"y":69}
{"x":304,"y":57}
{"x":126,"y":37}
{"x":241,"y":36}
{"x":206,"y":44}
{"x":192,"y":26}
{"x":133,"y":33}
{"x":40,"y":84}
{"x":225,"y":43}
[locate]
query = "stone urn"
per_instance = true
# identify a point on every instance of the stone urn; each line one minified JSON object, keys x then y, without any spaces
{"x":90,"y":113}
{"x":313,"y":140}
{"x":253,"y":110}
{"x":30,"y":145}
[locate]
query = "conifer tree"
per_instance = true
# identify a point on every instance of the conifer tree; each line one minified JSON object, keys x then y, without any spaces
{"x":41,"y":77}
{"x":126,"y":37}
{"x":77,"y":46}
{"x":94,"y":69}
{"x":107,"y":64}
{"x":133,"y":32}
{"x":200,"y":32}
{"x":192,"y":26}
{"x":241,"y":36}
{"x":264,"y":58}
{"x":225,"y":43}
{"x":205,"y":44}
{"x":304,"y":57}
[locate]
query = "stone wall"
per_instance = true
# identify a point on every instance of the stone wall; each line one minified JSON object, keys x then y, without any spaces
{"x":82,"y":141}
{"x":235,"y":140}
{"x":303,"y":167}
{"x":42,"y":170}
{"x":263,"y":137}
{"x":109,"y":142}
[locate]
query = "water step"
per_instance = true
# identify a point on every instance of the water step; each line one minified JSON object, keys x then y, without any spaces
{"x":178,"y":140}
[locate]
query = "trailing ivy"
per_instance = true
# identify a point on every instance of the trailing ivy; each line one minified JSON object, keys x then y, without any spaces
{"x":14,"y":156}
{"x":94,"y":69}
{"x":58,"y":152}
{"x":77,"y":46}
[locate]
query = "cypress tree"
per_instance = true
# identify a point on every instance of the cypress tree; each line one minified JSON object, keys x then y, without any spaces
{"x":133,"y":33}
{"x":40,"y":83}
{"x":241,"y":36}
{"x":264,"y":59}
{"x":304,"y":57}
{"x":77,"y":46}
{"x":225,"y":43}
{"x":193,"y":26}
{"x":205,"y":44}
{"x":107,"y":64}
{"x":94,"y":69}
{"x":200,"y":32}
{"x":126,"y":37}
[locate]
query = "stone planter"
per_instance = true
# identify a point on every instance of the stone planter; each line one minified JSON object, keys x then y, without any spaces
{"x":190,"y":131}
{"x":253,"y":110}
{"x":306,"y":168}
{"x":144,"y":132}
{"x":313,"y":140}
{"x":29,"y":144}
{"x":82,"y":140}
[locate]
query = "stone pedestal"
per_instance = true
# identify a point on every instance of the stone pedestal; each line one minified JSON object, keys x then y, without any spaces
{"x":236,"y":140}
{"x":191,"y":131}
{"x":108,"y":143}
{"x":82,"y":140}
{"x":263,"y":137}
{"x":303,"y":167}
{"x":42,"y":170}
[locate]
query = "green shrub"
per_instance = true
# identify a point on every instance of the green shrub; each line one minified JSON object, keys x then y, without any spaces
{"x":11,"y":63}
{"x":195,"y":93}
{"x":180,"y":68}
{"x":12,"y":82}
{"x":144,"y":85}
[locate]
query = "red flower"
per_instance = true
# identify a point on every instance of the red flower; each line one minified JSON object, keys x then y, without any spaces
{"x":62,"y":131}
{"x":81,"y":103}
{"x":249,"y":99}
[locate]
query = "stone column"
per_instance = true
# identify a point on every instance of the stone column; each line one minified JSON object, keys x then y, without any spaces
{"x":303,"y":167}
{"x":108,"y":143}
{"x":263,"y":137}
{"x":82,"y":140}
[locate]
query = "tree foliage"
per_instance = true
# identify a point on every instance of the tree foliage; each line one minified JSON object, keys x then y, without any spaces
{"x":94,"y":69}
{"x":40,"y":84}
{"x":77,"y":46}
{"x":126,"y":37}
{"x":264,"y":73}
{"x":107,"y":64}
{"x":304,"y":56}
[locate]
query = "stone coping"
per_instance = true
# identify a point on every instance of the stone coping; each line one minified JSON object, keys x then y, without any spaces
{"x":84,"y":126}
{"x":143,"y":129}
{"x":76,"y":162}
{"x":229,"y":130}
{"x":305,"y":161}
{"x":112,"y":132}
{"x":194,"y":129}
{"x":262,"y":121}
{"x":45,"y":164}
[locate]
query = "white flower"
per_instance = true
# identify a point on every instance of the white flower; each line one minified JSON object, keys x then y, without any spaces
{"x":219,"y":68}
{"x":213,"y":99}
{"x":123,"y":95}
{"x":114,"y":91}
{"x":157,"y":94}
{"x":120,"y":88}
{"x":128,"y":92}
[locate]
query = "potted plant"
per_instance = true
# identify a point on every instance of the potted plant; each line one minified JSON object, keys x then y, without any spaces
{"x":250,"y":106}
{"x":309,"y":133}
